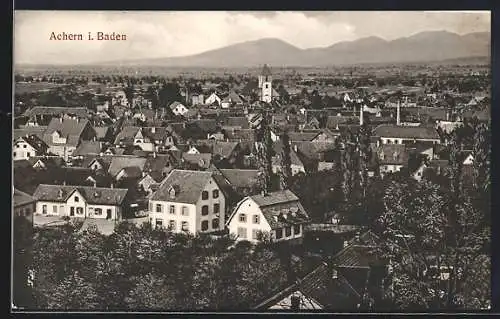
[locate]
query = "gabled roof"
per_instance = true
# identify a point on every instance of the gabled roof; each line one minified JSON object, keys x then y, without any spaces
{"x":317,"y":288}
{"x":205,"y":159}
{"x":88,"y":147}
{"x":302,"y":136}
{"x":359,"y":253}
{"x":408,"y":132}
{"x":120,"y":162}
{"x":240,"y":122}
{"x":294,"y":158}
{"x":21,"y":198}
{"x":93,"y":195}
{"x":241,"y":178}
{"x":188,"y":186}
{"x":35,"y":142}
{"x":281,"y":208}
{"x":68,"y":128}
{"x":29,"y":130}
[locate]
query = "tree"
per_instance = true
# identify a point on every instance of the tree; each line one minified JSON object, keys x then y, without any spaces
{"x":152,"y":292}
{"x":265,"y":154}
{"x":286,"y":162}
{"x":432,"y":242}
{"x":73,"y":293}
{"x":129,"y":94}
{"x":22,"y":260}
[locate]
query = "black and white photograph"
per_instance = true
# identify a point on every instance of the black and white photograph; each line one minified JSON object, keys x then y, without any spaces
{"x":251,"y":161}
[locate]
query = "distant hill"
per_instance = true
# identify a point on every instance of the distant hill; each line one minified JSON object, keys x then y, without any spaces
{"x":426,"y":46}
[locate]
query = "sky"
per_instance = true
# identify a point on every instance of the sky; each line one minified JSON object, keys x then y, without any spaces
{"x":175,"y":33}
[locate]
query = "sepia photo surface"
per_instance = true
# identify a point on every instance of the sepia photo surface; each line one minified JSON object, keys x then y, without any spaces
{"x":251,"y":161}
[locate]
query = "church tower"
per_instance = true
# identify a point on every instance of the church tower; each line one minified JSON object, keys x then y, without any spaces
{"x":265,"y":84}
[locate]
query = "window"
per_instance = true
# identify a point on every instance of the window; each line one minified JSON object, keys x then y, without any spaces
{"x":185,"y":211}
{"x":296,"y":229}
{"x":267,"y":86}
{"x":204,"y":195}
{"x":24,"y":146}
{"x":98,"y":211}
{"x":255,"y":234}
{"x":288,"y":231}
{"x":91,"y":211}
{"x":204,"y":210}
{"x":79,"y":210}
{"x":185,"y":226}
{"x":77,"y":199}
{"x":28,"y":154}
{"x":44,"y":209}
{"x":158,"y":208}
{"x":159,"y":222}
{"x":256,"y":219}
{"x":17,"y":145}
{"x":204,"y":225}
{"x":243,"y":218}
{"x":279,"y":233}
{"x":108,"y":213}
{"x":216,"y":208}
{"x":242,"y":232}
{"x":215,"y":193}
{"x":215,"y":223}
{"x":14,"y":154}
{"x":171,"y":225}
{"x":54,"y":209}
{"x":172,"y":209}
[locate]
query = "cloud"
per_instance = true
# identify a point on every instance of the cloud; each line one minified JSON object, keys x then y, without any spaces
{"x":164,"y":34}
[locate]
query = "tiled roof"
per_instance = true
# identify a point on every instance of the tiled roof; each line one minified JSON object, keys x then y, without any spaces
{"x":333,"y":121}
{"x":88,"y":147}
{"x":120,"y":162}
{"x":21,"y":198}
{"x":29,"y":130}
{"x":241,"y":178}
{"x":224,"y":149}
{"x":56,"y":111}
{"x":126,"y":135}
{"x":319,"y":290}
{"x":302,"y":136}
{"x":203,"y":159}
{"x":92,"y":195}
{"x":241,"y":135}
{"x":240,"y":122}
{"x":408,"y":132}
{"x":37,"y":143}
{"x":158,"y":165}
{"x":278,"y":147}
{"x":188,"y":186}
{"x":359,"y":253}
{"x":70,"y":128}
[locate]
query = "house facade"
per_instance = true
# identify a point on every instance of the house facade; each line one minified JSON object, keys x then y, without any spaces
{"x":178,"y":108}
{"x":80,"y":201}
{"x":280,"y":215}
{"x":188,"y":201}
{"x":28,"y":146}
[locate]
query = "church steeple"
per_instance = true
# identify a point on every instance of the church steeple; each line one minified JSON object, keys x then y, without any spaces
{"x":265,"y":84}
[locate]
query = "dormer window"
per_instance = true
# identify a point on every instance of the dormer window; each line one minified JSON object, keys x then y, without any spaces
{"x":172,"y":192}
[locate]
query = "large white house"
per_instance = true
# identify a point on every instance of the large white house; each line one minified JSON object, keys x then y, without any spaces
{"x":80,"y":201}
{"x":279,"y":214}
{"x":188,"y":201}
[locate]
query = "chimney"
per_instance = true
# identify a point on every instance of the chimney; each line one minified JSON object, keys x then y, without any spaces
{"x":361,"y":116}
{"x":295,"y":302}
{"x":398,"y":114}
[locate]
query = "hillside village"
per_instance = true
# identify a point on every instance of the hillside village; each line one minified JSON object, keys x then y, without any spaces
{"x":310,"y":167}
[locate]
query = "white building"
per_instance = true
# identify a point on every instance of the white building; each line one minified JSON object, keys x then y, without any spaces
{"x":28,"y":146}
{"x":280,"y":215}
{"x":188,"y":201}
{"x":213,"y":98}
{"x":80,"y":201}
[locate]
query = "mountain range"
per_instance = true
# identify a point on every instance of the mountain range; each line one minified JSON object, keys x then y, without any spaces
{"x":426,"y":46}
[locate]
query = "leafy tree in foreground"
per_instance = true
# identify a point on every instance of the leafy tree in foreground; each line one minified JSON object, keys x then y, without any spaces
{"x":286,"y":162}
{"x":435,"y":244}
